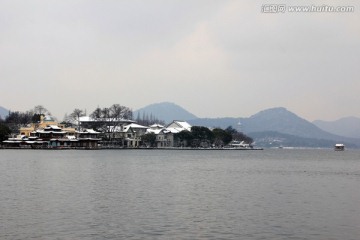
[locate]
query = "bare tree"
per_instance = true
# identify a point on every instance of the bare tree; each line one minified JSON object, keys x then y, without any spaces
{"x":16,"y":120}
{"x":105,"y":112}
{"x":41,"y":110}
{"x":75,"y":115}
{"x":97,"y":113}
{"x":117,"y":113}
{"x":120,"y":112}
{"x":109,"y":119}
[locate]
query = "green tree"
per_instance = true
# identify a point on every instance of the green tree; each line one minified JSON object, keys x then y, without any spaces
{"x":239,"y":136}
{"x":4,"y":132}
{"x":36,"y":118}
{"x":15,"y":120}
{"x":221,"y":137}
{"x":184,"y":138}
{"x":202,"y":136}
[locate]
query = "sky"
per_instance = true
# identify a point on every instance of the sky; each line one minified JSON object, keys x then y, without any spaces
{"x":215,"y":58}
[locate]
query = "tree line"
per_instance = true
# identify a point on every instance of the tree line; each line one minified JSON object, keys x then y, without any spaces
{"x":16,"y":119}
{"x":148,"y":120}
{"x":103,"y":117}
{"x":200,"y":136}
{"x":204,"y":137}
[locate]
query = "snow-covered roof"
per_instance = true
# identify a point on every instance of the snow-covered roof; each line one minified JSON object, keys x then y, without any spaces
{"x":12,"y":141}
{"x":89,"y":130}
{"x":90,"y":119}
{"x":178,"y":126}
{"x":157,"y":131}
{"x":156,"y":125}
{"x":53,"y":127}
{"x":63,"y":140}
{"x":175,"y":130}
{"x":184,"y":125}
{"x":174,"y":127}
{"x":86,"y":119}
{"x":134,"y":125}
{"x":56,"y":132}
{"x":18,"y":138}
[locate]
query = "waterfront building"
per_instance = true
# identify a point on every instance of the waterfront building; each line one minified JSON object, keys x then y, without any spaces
{"x":128,"y":135}
{"x":165,"y":136}
{"x":87,"y":122}
{"x":132,"y":134}
{"x":111,"y":133}
{"x":44,"y":122}
{"x":87,"y":138}
{"x":49,"y":134}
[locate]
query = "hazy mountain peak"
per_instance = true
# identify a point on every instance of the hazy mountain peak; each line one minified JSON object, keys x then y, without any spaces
{"x":273,"y":113}
{"x":281,"y":120}
{"x":161,"y":105}
{"x":166,"y":111}
{"x":347,"y":126}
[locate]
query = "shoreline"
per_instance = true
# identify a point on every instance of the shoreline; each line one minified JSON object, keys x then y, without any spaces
{"x":141,"y":148}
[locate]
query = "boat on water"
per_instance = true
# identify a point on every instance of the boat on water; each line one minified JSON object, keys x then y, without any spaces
{"x":238,"y":144}
{"x":339,"y":147}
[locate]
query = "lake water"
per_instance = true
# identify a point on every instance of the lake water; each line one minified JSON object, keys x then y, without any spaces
{"x":154,"y":194}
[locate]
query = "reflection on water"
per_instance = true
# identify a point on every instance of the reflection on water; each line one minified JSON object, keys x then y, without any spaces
{"x":153,"y":194}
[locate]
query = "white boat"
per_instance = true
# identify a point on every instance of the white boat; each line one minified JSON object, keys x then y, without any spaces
{"x":339,"y":147}
{"x":238,"y":144}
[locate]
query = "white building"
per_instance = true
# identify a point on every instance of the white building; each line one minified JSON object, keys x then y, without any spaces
{"x":165,"y":136}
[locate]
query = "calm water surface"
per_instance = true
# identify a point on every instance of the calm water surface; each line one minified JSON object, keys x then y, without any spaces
{"x":154,"y":194}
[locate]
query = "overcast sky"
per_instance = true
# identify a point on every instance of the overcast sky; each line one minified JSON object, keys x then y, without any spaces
{"x":215,"y":58}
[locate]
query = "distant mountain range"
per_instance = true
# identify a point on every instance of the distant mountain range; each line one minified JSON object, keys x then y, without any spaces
{"x":3,"y":112}
{"x":283,"y":121}
{"x":279,"y":127}
{"x":274,"y":119}
{"x":348,"y":127}
{"x":165,"y":111}
{"x":270,"y":127}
